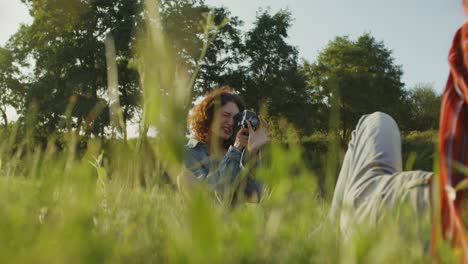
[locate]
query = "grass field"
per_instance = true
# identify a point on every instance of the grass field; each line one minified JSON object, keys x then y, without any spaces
{"x":61,"y":207}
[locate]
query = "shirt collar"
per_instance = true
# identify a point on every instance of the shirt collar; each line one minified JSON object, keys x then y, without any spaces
{"x":192,"y":143}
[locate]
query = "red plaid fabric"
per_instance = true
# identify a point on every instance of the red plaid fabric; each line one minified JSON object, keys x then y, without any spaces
{"x":453,"y":142}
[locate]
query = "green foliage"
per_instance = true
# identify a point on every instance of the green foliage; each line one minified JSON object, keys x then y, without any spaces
{"x":10,"y":86}
{"x":274,"y":79}
{"x":69,"y":88}
{"x":361,"y":75}
{"x":262,"y":66}
{"x":424,"y":103}
{"x":65,"y":43}
{"x":422,"y":146}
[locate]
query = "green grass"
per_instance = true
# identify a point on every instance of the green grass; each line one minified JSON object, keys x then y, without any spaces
{"x":119,"y":207}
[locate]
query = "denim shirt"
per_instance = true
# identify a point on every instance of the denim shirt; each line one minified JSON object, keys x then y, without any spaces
{"x":218,"y":174}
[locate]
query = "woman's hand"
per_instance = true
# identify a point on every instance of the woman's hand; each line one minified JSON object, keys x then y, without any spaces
{"x":242,"y":139}
{"x":257,"y":138}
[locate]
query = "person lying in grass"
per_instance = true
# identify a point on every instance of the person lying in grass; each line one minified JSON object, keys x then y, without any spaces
{"x":214,"y":154}
{"x":371,"y":180}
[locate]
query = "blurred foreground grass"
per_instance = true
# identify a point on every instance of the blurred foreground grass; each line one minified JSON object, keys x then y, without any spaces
{"x":112,"y":204}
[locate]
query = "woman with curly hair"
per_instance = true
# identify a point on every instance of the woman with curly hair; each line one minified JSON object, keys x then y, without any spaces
{"x":213,"y":153}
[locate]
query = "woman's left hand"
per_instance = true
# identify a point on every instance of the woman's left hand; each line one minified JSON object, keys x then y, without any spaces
{"x":257,"y":138}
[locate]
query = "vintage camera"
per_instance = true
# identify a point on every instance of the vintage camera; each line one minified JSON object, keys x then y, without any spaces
{"x":241,"y":119}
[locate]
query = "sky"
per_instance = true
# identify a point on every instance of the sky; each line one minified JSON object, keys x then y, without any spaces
{"x":419,"y":32}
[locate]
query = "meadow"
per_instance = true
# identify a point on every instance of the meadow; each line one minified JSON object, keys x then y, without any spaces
{"x":115,"y":203}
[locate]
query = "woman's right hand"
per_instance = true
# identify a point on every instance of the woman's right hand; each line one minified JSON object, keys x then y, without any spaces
{"x":242,"y":139}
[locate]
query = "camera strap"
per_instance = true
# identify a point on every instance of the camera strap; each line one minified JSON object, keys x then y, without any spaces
{"x":242,"y":163}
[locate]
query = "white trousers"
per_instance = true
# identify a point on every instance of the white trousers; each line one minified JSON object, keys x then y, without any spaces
{"x":371,"y":179}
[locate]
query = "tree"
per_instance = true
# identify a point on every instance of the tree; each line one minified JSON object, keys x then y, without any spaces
{"x":222,"y":63}
{"x":10,"y":86}
{"x":66,"y":44}
{"x":184,"y":23}
{"x":361,"y":75}
{"x":425,"y":107}
{"x":273,"y":76}
{"x":318,"y":98}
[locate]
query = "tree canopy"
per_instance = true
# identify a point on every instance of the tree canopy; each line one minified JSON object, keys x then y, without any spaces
{"x":66,"y":50}
{"x":56,"y":68}
{"x":424,"y":103}
{"x":10,"y":86}
{"x":361,"y":75}
{"x":273,"y":75}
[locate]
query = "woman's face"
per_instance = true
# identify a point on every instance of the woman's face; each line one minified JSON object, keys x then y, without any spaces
{"x":223,"y":124}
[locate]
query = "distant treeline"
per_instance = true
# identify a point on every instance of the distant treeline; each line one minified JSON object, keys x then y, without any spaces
{"x":53,"y":71}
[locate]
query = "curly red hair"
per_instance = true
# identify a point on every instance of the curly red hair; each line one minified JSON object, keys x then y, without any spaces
{"x":202,"y":114}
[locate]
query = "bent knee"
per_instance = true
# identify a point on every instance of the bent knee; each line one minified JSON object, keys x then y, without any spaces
{"x":377,"y":119}
{"x":381,"y":116}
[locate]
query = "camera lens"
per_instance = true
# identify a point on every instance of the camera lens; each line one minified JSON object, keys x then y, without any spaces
{"x":254,"y":122}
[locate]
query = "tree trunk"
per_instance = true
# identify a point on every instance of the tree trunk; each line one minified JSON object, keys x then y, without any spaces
{"x":5,"y":117}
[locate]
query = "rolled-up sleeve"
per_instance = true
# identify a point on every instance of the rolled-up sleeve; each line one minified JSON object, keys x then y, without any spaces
{"x":227,"y":171}
{"x":219,"y":178}
{"x":194,"y":161}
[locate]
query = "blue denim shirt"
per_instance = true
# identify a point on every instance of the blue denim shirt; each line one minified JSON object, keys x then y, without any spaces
{"x":218,"y":174}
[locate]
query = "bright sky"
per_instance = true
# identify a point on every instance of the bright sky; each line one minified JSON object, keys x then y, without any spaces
{"x":418,"y":31}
